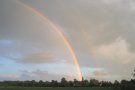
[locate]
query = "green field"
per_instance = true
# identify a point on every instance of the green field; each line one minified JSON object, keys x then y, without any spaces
{"x":56,"y":88}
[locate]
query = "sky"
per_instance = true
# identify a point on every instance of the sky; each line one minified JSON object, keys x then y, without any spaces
{"x":101,"y":33}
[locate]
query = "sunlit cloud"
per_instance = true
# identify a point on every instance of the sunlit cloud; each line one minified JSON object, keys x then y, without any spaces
{"x":118,"y":51}
{"x":36,"y":58}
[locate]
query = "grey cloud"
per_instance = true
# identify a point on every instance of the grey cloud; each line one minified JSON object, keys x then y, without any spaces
{"x":94,"y":23}
{"x":36,"y":58}
{"x":88,"y":24}
{"x":27,"y":34}
{"x":41,"y":75}
{"x":9,"y":77}
{"x":116,"y":58}
{"x":100,"y":73}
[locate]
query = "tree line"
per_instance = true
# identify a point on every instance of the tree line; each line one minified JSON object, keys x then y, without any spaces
{"x":123,"y":84}
{"x":55,"y":83}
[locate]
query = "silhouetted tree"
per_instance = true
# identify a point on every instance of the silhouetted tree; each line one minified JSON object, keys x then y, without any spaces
{"x":134,"y":73}
{"x":63,"y":82}
{"x":85,"y":83}
{"x":116,"y":83}
{"x":71,"y":83}
{"x":77,"y":83}
{"x":94,"y":82}
{"x":54,"y":83}
{"x":41,"y":83}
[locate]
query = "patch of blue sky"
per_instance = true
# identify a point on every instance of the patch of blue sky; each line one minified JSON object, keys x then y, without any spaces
{"x":53,"y":68}
{"x":89,"y":70}
{"x":8,"y":66}
{"x":5,"y":42}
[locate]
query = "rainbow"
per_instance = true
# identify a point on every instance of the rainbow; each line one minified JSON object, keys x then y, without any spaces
{"x":59,"y":31}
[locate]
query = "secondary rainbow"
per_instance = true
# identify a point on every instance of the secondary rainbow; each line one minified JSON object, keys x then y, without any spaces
{"x":59,"y":31}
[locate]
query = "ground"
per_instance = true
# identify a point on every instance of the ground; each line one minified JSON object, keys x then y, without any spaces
{"x":56,"y":88}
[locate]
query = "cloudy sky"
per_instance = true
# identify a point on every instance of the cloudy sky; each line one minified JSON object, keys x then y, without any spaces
{"x":101,"y":33}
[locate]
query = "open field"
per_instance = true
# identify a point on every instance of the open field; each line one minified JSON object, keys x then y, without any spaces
{"x":56,"y":88}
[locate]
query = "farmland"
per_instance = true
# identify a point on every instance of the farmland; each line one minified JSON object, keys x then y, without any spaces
{"x":56,"y":88}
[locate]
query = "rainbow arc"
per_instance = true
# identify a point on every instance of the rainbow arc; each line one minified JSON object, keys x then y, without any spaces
{"x":59,"y":31}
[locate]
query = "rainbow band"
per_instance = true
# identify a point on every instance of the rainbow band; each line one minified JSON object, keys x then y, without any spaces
{"x":58,"y":30}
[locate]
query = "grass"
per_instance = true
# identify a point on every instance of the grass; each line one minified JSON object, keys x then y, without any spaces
{"x":56,"y":88}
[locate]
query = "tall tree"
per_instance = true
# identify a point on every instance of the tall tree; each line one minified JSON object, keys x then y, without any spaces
{"x":63,"y":82}
{"x":94,"y":82}
{"x":134,"y":73}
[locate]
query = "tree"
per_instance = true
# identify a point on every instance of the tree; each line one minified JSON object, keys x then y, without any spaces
{"x":85,"y":83}
{"x":94,"y":82}
{"x":116,"y":83}
{"x":71,"y":84}
{"x":134,"y":73}
{"x":32,"y":83}
{"x":63,"y":82}
{"x":76,"y":83}
{"x":54,"y":83}
{"x":41,"y":83}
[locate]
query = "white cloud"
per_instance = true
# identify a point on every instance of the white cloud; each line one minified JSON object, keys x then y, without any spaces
{"x":111,"y":1}
{"x":89,"y":70}
{"x":116,"y":51}
{"x":100,"y":73}
{"x":63,"y":68}
{"x":9,"y":77}
{"x":132,"y":4}
{"x":41,"y":75}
